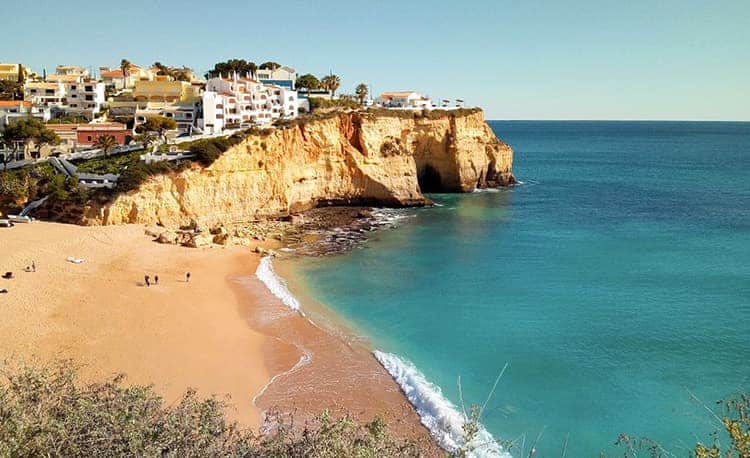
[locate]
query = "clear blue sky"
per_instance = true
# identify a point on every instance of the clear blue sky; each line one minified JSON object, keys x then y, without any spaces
{"x":585,"y":59}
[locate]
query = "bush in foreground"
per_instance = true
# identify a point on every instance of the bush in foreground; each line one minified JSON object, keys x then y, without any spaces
{"x":46,"y":411}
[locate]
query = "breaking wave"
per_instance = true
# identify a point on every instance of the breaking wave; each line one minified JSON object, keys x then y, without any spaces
{"x":276,"y":284}
{"x":437,"y":413}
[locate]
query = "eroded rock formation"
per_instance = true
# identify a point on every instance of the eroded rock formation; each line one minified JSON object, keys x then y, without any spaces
{"x":382,"y":158}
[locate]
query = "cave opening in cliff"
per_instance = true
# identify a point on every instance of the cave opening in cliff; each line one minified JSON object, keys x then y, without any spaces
{"x":429,"y":179}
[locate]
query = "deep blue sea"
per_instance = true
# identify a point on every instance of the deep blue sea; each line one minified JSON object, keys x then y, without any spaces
{"x":615,"y":283}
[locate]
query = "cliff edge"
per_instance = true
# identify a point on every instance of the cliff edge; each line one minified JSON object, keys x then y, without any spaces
{"x":384,"y":157}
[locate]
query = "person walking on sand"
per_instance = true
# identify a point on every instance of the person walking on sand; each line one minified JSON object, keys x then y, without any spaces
{"x":148,"y":281}
{"x":33,"y":266}
{"x":156,"y":279}
{"x":187,"y":277}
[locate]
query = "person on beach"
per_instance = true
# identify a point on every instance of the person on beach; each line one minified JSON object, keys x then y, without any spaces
{"x":148,"y":280}
{"x":33,"y":266}
{"x":156,"y":279}
{"x":187,"y":277}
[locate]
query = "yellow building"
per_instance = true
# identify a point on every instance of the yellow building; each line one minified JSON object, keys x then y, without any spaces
{"x":164,"y":91}
{"x":13,"y":72}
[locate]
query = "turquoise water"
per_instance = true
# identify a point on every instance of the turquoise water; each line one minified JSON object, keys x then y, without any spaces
{"x":615,"y":282}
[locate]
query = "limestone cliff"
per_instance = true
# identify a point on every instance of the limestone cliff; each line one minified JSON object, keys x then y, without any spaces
{"x":374,"y":158}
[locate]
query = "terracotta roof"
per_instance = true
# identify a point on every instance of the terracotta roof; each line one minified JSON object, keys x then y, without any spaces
{"x":89,"y":126}
{"x":14,"y":103}
{"x":112,"y":74}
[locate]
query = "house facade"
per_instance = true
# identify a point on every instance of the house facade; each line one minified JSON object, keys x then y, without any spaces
{"x":403,"y":99}
{"x":13,"y":72}
{"x":235,"y":101}
{"x":67,"y":94}
{"x":10,"y":110}
{"x":283,"y":76}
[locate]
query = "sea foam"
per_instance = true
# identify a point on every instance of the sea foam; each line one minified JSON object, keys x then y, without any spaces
{"x":437,"y":413}
{"x":276,"y":284}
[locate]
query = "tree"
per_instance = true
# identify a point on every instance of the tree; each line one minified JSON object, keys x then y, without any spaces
{"x":28,"y":130}
{"x":269,"y":65}
{"x":125,"y":67}
{"x":241,"y":66}
{"x":11,"y":90}
{"x":5,"y":157}
{"x":361,"y":91}
{"x":106,"y":143}
{"x":158,"y":124}
{"x":147,"y":139}
{"x":308,"y":82}
{"x":331,"y":83}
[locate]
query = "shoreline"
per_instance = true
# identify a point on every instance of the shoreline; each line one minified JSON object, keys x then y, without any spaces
{"x":438,"y":416}
{"x":223,"y":334}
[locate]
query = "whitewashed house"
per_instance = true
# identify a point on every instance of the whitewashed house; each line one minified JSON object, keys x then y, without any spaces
{"x":403,"y":99}
{"x":239,"y":102}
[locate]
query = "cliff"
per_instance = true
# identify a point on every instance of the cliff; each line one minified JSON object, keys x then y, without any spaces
{"x":372,"y":158}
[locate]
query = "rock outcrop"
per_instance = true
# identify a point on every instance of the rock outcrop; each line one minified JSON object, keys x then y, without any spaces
{"x":385,"y":158}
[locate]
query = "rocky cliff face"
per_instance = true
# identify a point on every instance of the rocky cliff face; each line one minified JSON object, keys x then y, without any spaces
{"x":384,"y":158}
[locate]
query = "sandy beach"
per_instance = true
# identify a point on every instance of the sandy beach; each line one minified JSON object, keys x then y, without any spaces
{"x":222,"y":333}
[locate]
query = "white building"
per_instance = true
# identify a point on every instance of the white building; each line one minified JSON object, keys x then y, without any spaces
{"x":85,"y":96}
{"x":71,"y":70}
{"x":44,"y":94}
{"x":283,"y":76}
{"x":11,"y":110}
{"x":184,"y":114}
{"x":403,"y":99}
{"x":244,"y":101}
{"x":69,"y":93}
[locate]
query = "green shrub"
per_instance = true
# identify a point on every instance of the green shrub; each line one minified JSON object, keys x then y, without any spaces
{"x":206,"y":152}
{"x":46,"y":411}
{"x":136,"y":174}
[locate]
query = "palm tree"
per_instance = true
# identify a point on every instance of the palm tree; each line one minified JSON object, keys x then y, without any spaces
{"x":106,"y":143}
{"x":147,"y":139}
{"x":331,"y":83}
{"x":361,"y":90}
{"x":125,"y":67}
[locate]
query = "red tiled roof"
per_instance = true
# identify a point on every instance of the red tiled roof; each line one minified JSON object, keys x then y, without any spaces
{"x":14,"y":103}
{"x":112,"y":74}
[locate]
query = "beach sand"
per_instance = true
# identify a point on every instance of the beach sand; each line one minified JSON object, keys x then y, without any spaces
{"x":222,"y":333}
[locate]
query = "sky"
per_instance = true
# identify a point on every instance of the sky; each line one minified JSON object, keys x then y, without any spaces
{"x":532,"y":59}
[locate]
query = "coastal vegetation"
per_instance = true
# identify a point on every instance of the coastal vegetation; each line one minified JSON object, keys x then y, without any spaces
{"x":361,"y":91}
{"x":11,"y":90}
{"x":48,"y":411}
{"x":158,"y":124}
{"x":106,"y":143}
{"x":23,"y":133}
{"x":241,"y":66}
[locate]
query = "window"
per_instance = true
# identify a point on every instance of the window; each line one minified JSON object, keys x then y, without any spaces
{"x":73,"y":87}
{"x":49,"y":91}
{"x":188,"y":115}
{"x":89,"y":88}
{"x":88,"y":138}
{"x":73,"y":96}
{"x":73,"y":105}
{"x":291,"y":98}
{"x":89,"y":97}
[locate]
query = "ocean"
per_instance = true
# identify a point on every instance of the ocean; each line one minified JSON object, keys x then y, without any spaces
{"x":614,"y":283}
